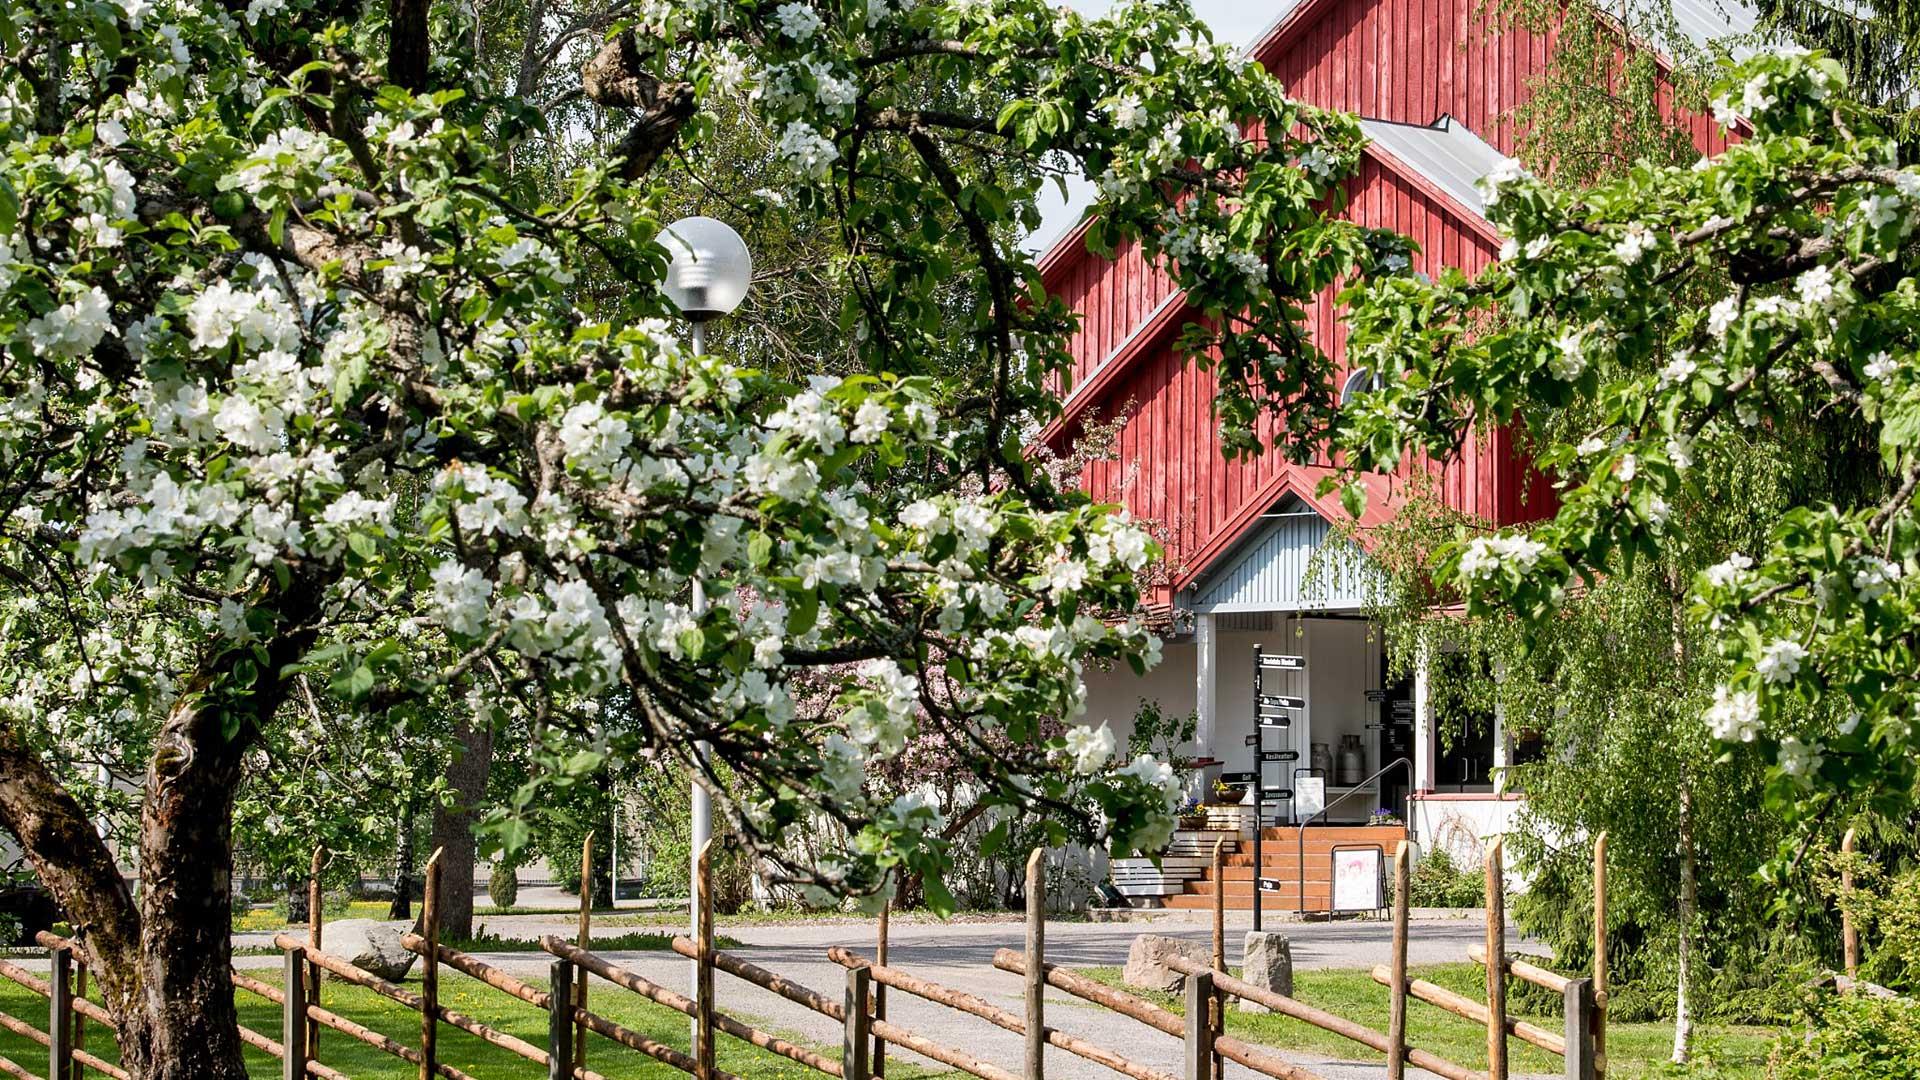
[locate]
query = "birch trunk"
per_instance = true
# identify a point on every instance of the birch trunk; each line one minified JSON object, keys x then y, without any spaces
{"x":1689,"y":895}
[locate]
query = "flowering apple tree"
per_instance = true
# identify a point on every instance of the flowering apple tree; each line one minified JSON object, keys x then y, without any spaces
{"x":1806,"y":233}
{"x":305,"y":394}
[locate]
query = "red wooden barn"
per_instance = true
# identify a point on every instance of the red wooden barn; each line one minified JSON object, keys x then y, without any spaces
{"x":1249,"y":562}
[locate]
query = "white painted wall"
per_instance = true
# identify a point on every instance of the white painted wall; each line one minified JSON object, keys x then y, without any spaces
{"x":1464,"y":827}
{"x":1113,"y":696}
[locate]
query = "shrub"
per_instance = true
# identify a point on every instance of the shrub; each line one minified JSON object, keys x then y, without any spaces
{"x":503,"y":884}
{"x":1439,"y":882}
{"x":1856,"y":1037}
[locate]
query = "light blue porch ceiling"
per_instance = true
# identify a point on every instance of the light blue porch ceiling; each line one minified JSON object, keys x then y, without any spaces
{"x":1290,"y":561}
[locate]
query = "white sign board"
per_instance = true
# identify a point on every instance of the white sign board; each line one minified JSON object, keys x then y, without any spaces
{"x":1309,"y":796}
{"x":1356,"y":880}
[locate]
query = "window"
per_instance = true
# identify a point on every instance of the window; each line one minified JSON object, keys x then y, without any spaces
{"x":1363,"y":380}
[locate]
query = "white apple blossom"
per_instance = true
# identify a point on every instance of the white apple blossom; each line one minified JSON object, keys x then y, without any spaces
{"x":1725,"y":574}
{"x":1486,"y":556}
{"x":1634,"y":243}
{"x":1734,"y":715}
{"x":1780,"y":660}
{"x":1507,"y":172}
{"x":810,"y":153}
{"x":461,"y":597}
{"x":1090,"y":748}
{"x":1798,"y":758}
{"x":74,"y":328}
{"x":797,"y":21}
{"x":1722,"y":315}
{"x":1874,"y":577}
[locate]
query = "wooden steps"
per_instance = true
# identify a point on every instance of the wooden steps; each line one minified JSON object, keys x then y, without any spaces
{"x":1185,"y":878}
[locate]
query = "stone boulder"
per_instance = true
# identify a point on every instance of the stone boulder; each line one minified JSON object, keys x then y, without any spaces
{"x":1267,"y":962}
{"x":371,"y":945}
{"x":1147,"y":967}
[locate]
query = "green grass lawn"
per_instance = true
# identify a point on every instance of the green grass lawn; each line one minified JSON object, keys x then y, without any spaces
{"x":1633,"y":1050}
{"x":457,"y":1048}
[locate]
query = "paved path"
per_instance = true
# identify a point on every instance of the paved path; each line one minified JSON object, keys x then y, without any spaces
{"x":960,"y":955}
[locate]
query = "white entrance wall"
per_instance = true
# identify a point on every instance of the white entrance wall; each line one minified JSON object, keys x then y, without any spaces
{"x":1343,"y":663}
{"x":1464,"y":826}
{"x":1113,"y":696}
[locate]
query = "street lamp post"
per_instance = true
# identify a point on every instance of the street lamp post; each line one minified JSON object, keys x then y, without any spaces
{"x":707,"y":278}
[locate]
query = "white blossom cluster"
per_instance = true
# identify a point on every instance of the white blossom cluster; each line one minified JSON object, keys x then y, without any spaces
{"x":1487,"y":556}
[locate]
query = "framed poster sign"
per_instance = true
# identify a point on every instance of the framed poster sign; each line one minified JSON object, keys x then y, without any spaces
{"x":1309,"y":795}
{"x":1357,"y":884}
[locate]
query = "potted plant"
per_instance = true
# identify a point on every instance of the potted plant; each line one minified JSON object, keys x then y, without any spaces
{"x":1384,"y":816}
{"x":1189,"y":816}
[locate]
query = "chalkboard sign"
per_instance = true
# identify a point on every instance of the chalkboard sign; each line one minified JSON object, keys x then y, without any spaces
{"x":1357,"y":883}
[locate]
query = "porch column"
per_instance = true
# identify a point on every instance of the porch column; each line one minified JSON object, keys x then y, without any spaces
{"x":1502,"y":752}
{"x":1423,"y":728}
{"x":1206,"y":645}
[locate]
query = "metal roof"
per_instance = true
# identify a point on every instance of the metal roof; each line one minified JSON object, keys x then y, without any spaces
{"x":1705,"y":22}
{"x":1446,"y":153}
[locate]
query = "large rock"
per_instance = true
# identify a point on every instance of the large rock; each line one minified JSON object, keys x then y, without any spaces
{"x":1267,"y":962}
{"x":370,"y":945}
{"x":1147,"y":962}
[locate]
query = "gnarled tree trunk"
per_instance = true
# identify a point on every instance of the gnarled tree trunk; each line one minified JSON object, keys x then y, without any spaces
{"x":453,"y":828}
{"x":176,"y":1014}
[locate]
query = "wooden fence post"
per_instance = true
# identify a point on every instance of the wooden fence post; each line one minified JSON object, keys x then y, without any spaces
{"x":1036,"y":964}
{"x":60,"y":1013}
{"x":703,"y":1046}
{"x":295,"y":1050}
{"x":1397,"y":993}
{"x":560,"y":1029}
{"x":1600,"y":957}
{"x":1217,"y":1008}
{"x":857,"y":1032}
{"x":1849,"y":934}
{"x":1199,"y":1027}
{"x":579,"y":995}
{"x":1580,"y":1051}
{"x":879,"y":1059}
{"x":79,"y":1071}
{"x":316,"y":919}
{"x":1496,"y":965}
{"x":430,"y":972}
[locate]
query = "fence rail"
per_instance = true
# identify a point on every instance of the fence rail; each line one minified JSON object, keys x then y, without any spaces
{"x":859,"y":1009}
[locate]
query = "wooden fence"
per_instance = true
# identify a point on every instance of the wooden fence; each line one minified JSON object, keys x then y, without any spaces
{"x":859,"y":1009}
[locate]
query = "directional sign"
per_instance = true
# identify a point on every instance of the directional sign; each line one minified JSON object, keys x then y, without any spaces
{"x":1281,"y":722}
{"x":1283,"y":662}
{"x":1279,"y":755}
{"x":1268,"y":884}
{"x":1280,"y":701}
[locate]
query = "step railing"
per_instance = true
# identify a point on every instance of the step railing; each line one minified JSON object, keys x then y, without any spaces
{"x":1396,"y":763}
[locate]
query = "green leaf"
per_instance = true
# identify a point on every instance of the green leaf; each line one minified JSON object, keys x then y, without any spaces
{"x":804,"y":612}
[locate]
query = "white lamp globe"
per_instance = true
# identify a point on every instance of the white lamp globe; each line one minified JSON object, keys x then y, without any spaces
{"x":711,"y":267}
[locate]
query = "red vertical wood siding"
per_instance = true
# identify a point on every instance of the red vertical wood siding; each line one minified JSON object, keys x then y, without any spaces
{"x":1407,"y":61}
